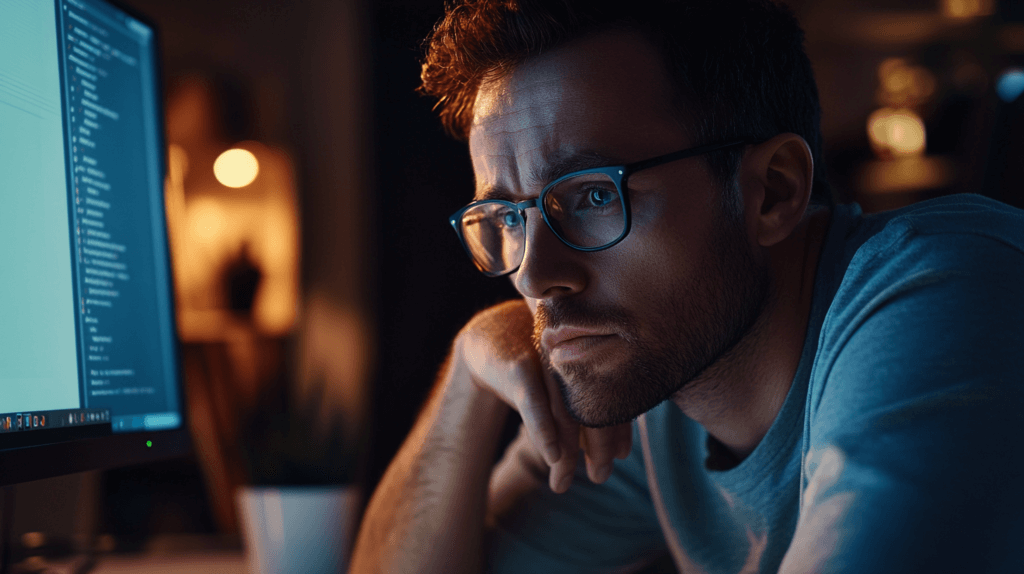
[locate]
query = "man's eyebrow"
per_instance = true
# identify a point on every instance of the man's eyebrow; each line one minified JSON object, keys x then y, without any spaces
{"x":556,"y":167}
{"x":494,"y":192}
{"x":565,"y":163}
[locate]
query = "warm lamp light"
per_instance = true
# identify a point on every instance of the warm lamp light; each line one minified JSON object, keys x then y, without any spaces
{"x":236,"y":168}
{"x":896,"y":132}
{"x":967,"y":8}
{"x":902,"y":84}
{"x":207,"y":222}
{"x":895,"y":74}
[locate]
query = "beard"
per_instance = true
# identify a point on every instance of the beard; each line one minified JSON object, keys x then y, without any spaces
{"x":698,"y":322}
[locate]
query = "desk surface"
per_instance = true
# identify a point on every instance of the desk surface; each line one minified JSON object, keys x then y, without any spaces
{"x":198,"y":563}
{"x":204,"y":562}
{"x":167,"y":554}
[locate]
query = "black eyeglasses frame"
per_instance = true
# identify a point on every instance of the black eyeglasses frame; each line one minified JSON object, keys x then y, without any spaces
{"x":619,"y":175}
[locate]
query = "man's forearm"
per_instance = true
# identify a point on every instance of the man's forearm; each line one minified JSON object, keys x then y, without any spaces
{"x":427,"y":514}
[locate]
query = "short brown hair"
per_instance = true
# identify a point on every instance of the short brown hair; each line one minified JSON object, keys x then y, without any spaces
{"x":738,"y":66}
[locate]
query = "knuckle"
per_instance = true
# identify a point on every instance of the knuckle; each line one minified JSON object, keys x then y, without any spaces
{"x":601,"y":443}
{"x":529,"y":402}
{"x":502,"y":334}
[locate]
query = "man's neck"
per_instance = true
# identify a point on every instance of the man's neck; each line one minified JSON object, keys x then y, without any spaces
{"x":738,"y":398}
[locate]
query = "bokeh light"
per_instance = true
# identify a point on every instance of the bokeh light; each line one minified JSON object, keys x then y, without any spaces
{"x":896,"y":133}
{"x":901,"y":84}
{"x":1010,"y":84}
{"x":967,"y":8}
{"x":236,"y":168}
{"x":894,"y":74}
{"x":206,"y":222}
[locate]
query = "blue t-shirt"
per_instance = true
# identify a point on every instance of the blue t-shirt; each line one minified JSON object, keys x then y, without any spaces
{"x":899,"y":447}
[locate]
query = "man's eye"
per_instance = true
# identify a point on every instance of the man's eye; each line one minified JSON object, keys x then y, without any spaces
{"x":510,"y":219}
{"x":600,"y":197}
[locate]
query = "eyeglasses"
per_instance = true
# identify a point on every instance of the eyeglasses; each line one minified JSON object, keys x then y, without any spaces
{"x":587,"y":210}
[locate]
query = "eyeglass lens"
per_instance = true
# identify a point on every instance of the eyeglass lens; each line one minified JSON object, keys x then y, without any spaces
{"x":585,"y":210}
{"x":495,"y":235}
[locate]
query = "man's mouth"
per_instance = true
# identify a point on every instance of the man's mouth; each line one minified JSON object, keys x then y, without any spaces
{"x":572,"y":343}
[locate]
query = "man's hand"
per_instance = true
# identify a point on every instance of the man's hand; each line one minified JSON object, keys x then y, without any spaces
{"x":497,"y":349}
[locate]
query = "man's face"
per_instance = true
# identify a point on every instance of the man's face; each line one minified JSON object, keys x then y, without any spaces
{"x":624,"y":328}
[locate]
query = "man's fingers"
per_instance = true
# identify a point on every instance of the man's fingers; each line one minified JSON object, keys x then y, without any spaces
{"x":535,"y":408}
{"x":600,"y":446}
{"x":496,"y":346}
{"x":568,"y":437}
{"x":625,"y":441}
{"x":549,"y":449}
{"x":564,"y":469}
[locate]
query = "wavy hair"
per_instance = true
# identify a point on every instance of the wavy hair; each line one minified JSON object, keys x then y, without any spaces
{"x":738,"y":67}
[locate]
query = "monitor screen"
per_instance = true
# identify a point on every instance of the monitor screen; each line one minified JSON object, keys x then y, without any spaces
{"x":88,"y":358}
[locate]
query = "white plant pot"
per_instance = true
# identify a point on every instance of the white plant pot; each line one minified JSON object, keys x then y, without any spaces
{"x":297,"y":529}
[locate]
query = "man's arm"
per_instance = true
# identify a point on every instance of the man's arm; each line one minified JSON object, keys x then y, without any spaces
{"x":428,"y":513}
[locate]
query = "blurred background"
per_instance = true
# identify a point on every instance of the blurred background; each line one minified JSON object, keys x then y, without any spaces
{"x":319,"y":284}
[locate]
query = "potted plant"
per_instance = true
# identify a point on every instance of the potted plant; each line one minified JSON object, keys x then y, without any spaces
{"x":298,"y":514}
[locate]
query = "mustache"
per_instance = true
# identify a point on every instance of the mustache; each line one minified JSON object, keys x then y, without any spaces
{"x":555,"y":313}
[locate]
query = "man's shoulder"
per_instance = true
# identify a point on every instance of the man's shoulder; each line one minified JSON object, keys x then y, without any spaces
{"x":957,"y":233}
{"x":932,"y":287}
{"x":917,"y":370}
{"x":943,"y":218}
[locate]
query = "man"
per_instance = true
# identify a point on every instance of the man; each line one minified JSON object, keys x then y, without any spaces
{"x":788,"y":385}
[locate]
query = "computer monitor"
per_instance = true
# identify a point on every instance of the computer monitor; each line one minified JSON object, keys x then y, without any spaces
{"x":89,"y":374}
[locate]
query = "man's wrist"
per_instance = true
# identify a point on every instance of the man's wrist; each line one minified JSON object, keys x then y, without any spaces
{"x":483,"y":407}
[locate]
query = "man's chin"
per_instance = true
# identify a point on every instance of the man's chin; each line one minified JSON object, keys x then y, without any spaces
{"x":599,"y":401}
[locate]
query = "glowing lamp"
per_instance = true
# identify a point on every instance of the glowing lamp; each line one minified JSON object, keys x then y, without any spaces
{"x":896,"y":132}
{"x":967,"y":8}
{"x":236,"y":168}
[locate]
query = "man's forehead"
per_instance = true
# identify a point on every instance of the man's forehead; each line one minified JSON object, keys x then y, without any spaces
{"x":510,"y":111}
{"x":513,"y":125}
{"x":533,"y":83}
{"x":558,"y":162}
{"x":595,"y":101}
{"x":609,"y":58}
{"x":524,"y":134}
{"x":539,"y":90}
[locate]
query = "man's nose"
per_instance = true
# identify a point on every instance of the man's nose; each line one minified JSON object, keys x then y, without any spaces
{"x":549,"y":268}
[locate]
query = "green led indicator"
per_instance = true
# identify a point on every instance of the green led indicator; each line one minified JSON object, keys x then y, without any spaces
{"x":149,"y":443}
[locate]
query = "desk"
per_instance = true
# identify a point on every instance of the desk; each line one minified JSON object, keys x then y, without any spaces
{"x":178,"y":554}
{"x":198,"y":563}
{"x":174,"y":554}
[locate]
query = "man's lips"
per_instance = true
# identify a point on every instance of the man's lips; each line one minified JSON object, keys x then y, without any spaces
{"x":554,"y":337}
{"x":573,"y":342}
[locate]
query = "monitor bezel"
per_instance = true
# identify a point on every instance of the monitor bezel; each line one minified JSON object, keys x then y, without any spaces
{"x":112,"y":450}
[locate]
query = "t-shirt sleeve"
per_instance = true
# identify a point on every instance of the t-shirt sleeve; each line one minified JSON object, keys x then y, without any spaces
{"x":916,"y":453}
{"x":592,"y":528}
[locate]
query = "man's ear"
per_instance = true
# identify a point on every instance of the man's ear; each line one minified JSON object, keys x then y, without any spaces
{"x":776,"y":178}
